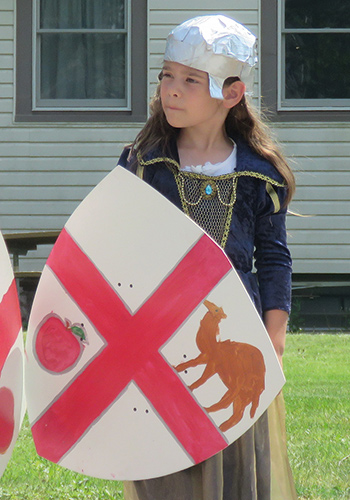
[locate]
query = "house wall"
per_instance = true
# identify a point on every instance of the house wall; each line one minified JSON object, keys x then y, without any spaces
{"x":320,"y":155}
{"x":47,"y":169}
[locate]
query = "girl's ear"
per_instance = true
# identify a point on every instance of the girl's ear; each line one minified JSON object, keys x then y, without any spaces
{"x":233,"y":94}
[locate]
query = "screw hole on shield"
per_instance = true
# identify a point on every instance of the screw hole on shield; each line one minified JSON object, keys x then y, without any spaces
{"x":135,"y":409}
{"x":131,"y":285}
{"x":119,"y":284}
{"x":146,"y":411}
{"x":185,"y":356}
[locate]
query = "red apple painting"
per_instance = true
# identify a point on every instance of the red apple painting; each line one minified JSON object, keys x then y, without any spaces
{"x":59,"y":344}
{"x":11,"y":360}
{"x":116,"y":408}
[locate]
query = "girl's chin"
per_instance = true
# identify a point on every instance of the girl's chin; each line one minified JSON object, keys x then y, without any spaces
{"x":175,"y":123}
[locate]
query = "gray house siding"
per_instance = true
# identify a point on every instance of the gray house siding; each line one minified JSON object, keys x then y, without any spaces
{"x":320,"y":238}
{"x":47,"y":169}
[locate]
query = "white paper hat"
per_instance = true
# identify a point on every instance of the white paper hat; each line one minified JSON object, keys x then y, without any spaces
{"x":216,"y":44}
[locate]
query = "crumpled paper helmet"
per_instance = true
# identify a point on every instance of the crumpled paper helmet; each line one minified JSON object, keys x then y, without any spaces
{"x":218,"y":45}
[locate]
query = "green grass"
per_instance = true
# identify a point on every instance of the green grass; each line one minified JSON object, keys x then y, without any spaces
{"x":30,"y":477}
{"x":317,"y":397}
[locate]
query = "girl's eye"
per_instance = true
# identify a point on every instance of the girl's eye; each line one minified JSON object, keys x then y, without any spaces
{"x":191,"y":80}
{"x":166,"y":75}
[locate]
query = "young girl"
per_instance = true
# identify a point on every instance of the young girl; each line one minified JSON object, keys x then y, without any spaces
{"x":208,"y":152}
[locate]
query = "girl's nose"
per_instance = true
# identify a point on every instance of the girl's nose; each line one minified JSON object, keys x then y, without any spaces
{"x":174,"y":90}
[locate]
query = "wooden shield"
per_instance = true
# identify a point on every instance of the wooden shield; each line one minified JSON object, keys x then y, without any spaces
{"x":120,"y":380}
{"x":11,"y":360}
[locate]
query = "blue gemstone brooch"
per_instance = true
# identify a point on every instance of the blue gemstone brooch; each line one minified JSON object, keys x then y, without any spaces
{"x":208,"y":189}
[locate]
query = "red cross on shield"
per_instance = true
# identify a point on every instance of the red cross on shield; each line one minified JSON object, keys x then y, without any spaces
{"x":132,"y":350}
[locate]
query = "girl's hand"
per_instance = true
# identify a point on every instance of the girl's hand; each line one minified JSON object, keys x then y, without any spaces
{"x":276,"y":325}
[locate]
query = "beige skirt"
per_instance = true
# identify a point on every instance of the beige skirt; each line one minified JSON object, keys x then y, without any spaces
{"x":255,"y":467}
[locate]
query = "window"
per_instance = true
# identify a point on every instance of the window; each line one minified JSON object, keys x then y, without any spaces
{"x":305,"y":66}
{"x":81,"y":53}
{"x":81,"y":60}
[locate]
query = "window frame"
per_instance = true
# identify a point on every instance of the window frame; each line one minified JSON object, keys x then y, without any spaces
{"x":82,"y":104}
{"x":27,"y":108}
{"x":272,"y":74}
{"x":284,"y":103}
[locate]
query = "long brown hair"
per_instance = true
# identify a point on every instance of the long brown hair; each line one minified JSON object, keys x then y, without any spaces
{"x":241,"y":120}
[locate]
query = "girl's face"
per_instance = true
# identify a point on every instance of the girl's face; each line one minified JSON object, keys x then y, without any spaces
{"x":185,"y":97}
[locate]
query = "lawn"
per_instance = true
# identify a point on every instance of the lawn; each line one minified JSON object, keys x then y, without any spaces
{"x":317,"y":397}
{"x":30,"y":477}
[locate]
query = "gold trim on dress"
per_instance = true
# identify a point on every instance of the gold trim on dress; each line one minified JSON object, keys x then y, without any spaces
{"x":274,"y":197}
{"x":140,"y":170}
{"x":209,"y":189}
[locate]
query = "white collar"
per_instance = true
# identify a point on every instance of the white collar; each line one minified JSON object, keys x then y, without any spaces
{"x":224,"y":167}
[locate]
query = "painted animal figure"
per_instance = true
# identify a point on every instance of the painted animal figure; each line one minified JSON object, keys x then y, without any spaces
{"x":240,"y":366}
